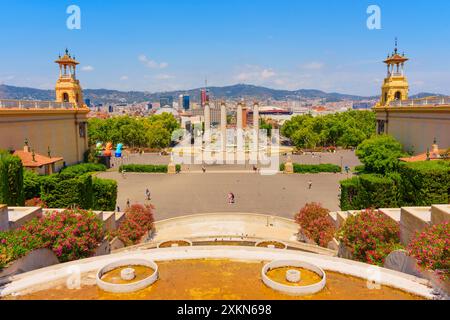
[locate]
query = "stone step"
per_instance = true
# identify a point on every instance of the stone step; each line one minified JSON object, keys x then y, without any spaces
{"x":392,"y":213}
{"x":333,"y":218}
{"x":341,"y":216}
{"x":440,"y":213}
{"x":413,"y":220}
{"x":119,"y":216}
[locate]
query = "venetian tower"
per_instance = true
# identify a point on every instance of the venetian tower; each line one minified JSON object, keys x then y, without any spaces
{"x":395,"y":86}
{"x":68,"y":88}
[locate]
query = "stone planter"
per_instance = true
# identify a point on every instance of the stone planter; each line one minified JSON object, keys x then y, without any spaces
{"x":36,"y":259}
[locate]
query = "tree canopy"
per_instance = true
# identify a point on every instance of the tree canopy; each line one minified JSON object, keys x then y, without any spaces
{"x":152,"y":132}
{"x":380,"y":154}
{"x":346,"y":129}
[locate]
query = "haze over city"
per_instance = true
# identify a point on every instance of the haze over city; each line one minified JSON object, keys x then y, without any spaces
{"x":163,"y":46}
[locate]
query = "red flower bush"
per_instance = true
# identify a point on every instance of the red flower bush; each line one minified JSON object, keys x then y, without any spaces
{"x":315,"y":223}
{"x":138,"y":220}
{"x":431,"y":248}
{"x":71,"y":234}
{"x":370,"y":236}
{"x":36,"y":202}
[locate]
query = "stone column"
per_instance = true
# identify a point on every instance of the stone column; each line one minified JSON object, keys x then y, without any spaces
{"x":207,"y":133}
{"x":256,"y":124}
{"x":223,"y":125}
{"x":239,"y":116}
{"x":240,"y":154}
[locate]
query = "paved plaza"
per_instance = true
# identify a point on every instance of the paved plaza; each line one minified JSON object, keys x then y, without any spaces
{"x":192,"y":191}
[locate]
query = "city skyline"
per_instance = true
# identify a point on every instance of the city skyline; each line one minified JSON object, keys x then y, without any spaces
{"x":169,"y":46}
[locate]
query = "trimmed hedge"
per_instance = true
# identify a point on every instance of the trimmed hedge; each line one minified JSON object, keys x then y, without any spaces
{"x":105,"y":194}
{"x":149,"y":168}
{"x":369,"y":191}
{"x":31,"y":184}
{"x":64,"y":193}
{"x":416,"y":184}
{"x":425,"y":183}
{"x":11,"y":180}
{"x":80,"y":169}
{"x":313,"y":168}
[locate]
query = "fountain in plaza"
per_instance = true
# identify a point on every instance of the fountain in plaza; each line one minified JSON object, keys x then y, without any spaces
{"x":294,"y":277}
{"x":271,"y":244}
{"x":175,"y":243}
{"x":128,"y":275}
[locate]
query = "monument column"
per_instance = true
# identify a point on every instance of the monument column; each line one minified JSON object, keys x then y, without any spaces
{"x":223,"y":125}
{"x":207,"y":118}
{"x":240,"y":136}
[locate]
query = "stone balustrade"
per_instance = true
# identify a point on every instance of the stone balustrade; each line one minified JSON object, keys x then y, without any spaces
{"x":33,"y":105}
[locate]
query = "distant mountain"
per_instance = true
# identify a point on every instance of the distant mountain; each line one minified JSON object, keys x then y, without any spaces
{"x":228,"y":92}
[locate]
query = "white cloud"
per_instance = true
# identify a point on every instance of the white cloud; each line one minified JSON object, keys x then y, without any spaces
{"x":255,"y":74}
{"x":124,"y":78}
{"x":313,"y":65}
{"x":151,"y":63}
{"x":87,"y":68}
{"x":164,"y":77}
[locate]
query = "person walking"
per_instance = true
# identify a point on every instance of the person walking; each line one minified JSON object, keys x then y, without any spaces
{"x":147,"y":193}
{"x":309,"y":184}
{"x":128,"y":203}
{"x":230,"y":198}
{"x":203,"y":169}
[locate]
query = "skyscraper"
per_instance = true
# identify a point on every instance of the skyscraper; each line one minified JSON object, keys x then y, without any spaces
{"x":166,"y":101}
{"x":186,"y":102}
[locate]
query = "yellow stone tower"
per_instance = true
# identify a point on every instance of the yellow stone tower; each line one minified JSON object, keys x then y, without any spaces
{"x":395,"y":86}
{"x":68,"y":88}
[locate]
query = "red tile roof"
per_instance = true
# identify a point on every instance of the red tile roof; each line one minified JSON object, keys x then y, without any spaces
{"x":39,"y":160}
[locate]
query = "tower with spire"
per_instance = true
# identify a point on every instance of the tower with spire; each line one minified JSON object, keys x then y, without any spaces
{"x":68,"y":88}
{"x":395,"y":85}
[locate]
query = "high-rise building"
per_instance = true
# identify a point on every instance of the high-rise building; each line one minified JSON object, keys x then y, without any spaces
{"x":166,"y":101}
{"x":186,"y":102}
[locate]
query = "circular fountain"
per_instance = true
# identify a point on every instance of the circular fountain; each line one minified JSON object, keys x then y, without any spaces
{"x":271,"y":244}
{"x":127,"y":275}
{"x":293,"y":277}
{"x":175,"y":243}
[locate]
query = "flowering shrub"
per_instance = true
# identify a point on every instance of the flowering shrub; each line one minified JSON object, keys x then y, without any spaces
{"x":315,"y":223}
{"x":431,"y":248}
{"x":35,"y":202}
{"x":71,"y":235}
{"x":138,"y":220}
{"x":370,"y":236}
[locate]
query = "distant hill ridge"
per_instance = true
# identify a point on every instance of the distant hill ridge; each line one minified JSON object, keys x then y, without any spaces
{"x":227,"y":92}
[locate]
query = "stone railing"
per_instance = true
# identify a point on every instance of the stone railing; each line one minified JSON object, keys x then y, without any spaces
{"x":435,"y":101}
{"x":33,"y":105}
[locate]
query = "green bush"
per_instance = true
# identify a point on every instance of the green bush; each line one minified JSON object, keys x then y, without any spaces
{"x":282,"y":167}
{"x":369,"y":191}
{"x":11,"y":180}
{"x":415,"y":184}
{"x":316,"y":168}
{"x":105,"y":194}
{"x":80,"y":169}
{"x":31,"y":184}
{"x":64,"y":193}
{"x":149,"y":168}
{"x":349,"y":194}
{"x":425,"y":183}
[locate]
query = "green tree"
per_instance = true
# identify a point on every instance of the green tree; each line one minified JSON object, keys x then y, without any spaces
{"x":380,"y":154}
{"x":11,"y":180}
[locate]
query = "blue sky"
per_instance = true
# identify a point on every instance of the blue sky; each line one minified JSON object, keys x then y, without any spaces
{"x":175,"y":44}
